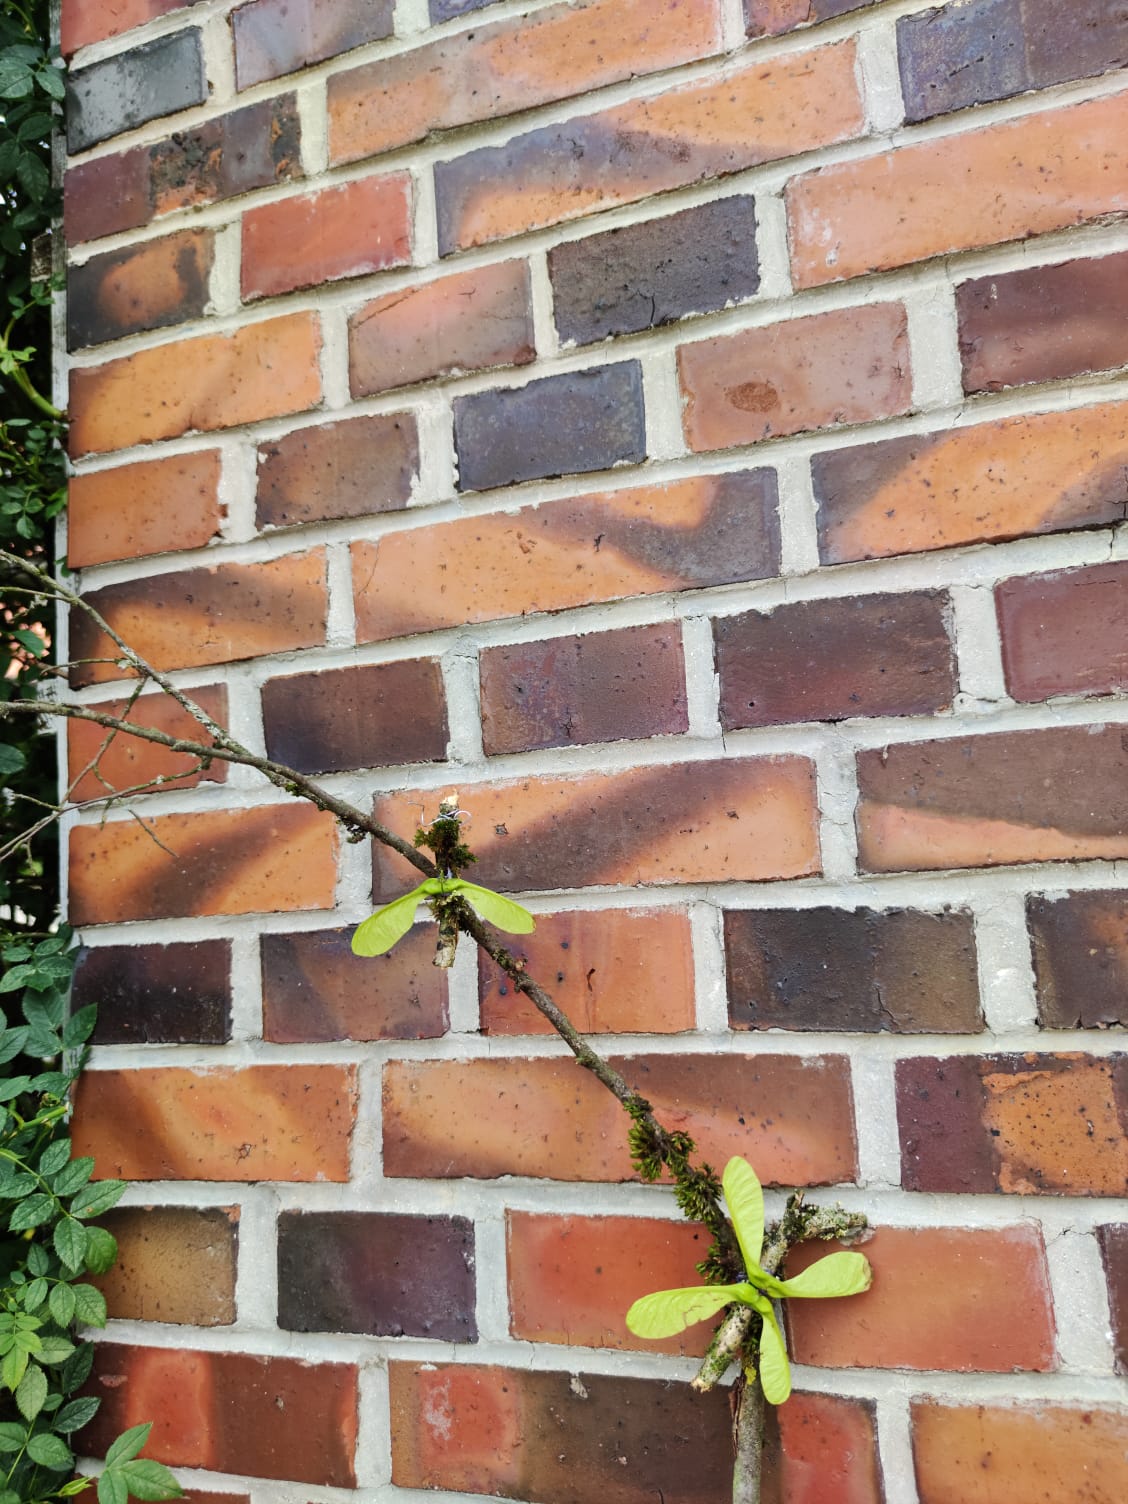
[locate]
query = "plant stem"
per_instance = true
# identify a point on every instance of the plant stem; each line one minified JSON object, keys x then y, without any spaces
{"x":748,"y":1439}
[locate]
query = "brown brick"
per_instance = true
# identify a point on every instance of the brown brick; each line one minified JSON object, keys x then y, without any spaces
{"x":701,"y":130}
{"x":1044,"y":323}
{"x":130,"y":763}
{"x":550,"y":1118}
{"x":347,"y":231}
{"x":1040,"y":473}
{"x":174,"y":1264}
{"x":108,"y":194}
{"x":848,"y":366}
{"x":1065,"y":633}
{"x":827,"y":1452}
{"x":1064,"y":166}
{"x":268,"y":860}
{"x":982,"y":801}
{"x":832,"y":660}
{"x":468,"y":322}
{"x":955,"y":1299}
{"x":152,"y":507}
{"x":772,"y":17}
{"x":983,"y":1454}
{"x":712,"y":530}
{"x":745,"y":820}
{"x":157,"y":994}
{"x":273,"y":37}
{"x":216,"y":381}
{"x":230,"y":1412}
{"x":354,"y":468}
{"x":1022,"y":1124}
{"x":202,"y":616}
{"x":260,"y":1122}
{"x":1113,"y":1240}
{"x":360,"y":1272}
{"x":512,"y":66}
{"x":86,"y":21}
{"x":615,"y":971}
{"x":315,"y":989}
{"x":364,"y":717}
{"x":598,"y":687}
{"x":150,"y":286}
{"x":864,"y":970}
{"x":1080,"y":946}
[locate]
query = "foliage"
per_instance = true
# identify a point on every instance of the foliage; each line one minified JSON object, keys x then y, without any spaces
{"x":380,"y":931}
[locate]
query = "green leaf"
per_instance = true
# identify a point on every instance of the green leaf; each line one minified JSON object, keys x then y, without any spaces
{"x":75,"y":1414}
{"x":37,"y":1260}
{"x":72,"y":1242}
{"x":51,"y":81}
{"x":150,"y":1480}
{"x":503,"y":912}
{"x":12,"y":760}
{"x":670,"y":1311}
{"x":380,"y":931}
{"x":31,"y":1393}
{"x":55,"y":1350}
{"x":12,"y":1042}
{"x":11,"y":1436}
{"x":13,"y":1366}
{"x":32,"y":641}
{"x":837,"y":1274}
{"x":73,"y":1176}
{"x":80,"y":1026}
{"x":18,"y":976}
{"x":62,"y":1303}
{"x":31,"y":1212}
{"x":775,"y":1371}
{"x":101,"y":1250}
{"x":73,"y":1486}
{"x":111,"y":1488}
{"x":129,"y":1443}
{"x":54,"y":1157}
{"x":50,"y":1452}
{"x":90,"y":1305}
{"x":35,"y":1294}
{"x":76,"y":1370}
{"x":745,"y":1198}
{"x":97,"y":1198}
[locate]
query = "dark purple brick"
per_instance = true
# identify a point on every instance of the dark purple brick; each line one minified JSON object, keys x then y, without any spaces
{"x":863,"y":971}
{"x":1080,"y":946}
{"x":944,"y":1146}
{"x":273,"y":37}
{"x":157,"y":994}
{"x":150,"y":286}
{"x":1113,"y":1240}
{"x":143,"y":84}
{"x":384,"y":1274}
{"x":650,"y":274}
{"x":560,"y":425}
{"x":349,"y":469}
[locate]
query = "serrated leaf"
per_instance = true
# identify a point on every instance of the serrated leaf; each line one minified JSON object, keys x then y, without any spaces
{"x":54,"y":1157}
{"x":12,"y":760}
{"x":73,"y":1176}
{"x":147,"y":1479}
{"x":72,"y":1242}
{"x":11,"y":1436}
{"x":31,"y":1392}
{"x":745,"y":1197}
{"x":51,"y":81}
{"x":30,"y":1212}
{"x":16,"y":976}
{"x":111,"y":1488}
{"x":668,"y":1312}
{"x":12,"y":1042}
{"x":837,"y":1274}
{"x":50,"y":1452}
{"x":90,"y":1305}
{"x":35,"y":1294}
{"x":13,"y":1366}
{"x":97,"y":1198}
{"x":380,"y":931}
{"x":503,"y":912}
{"x":62,"y":1304}
{"x":55,"y":1350}
{"x":80,"y":1026}
{"x":129,"y":1443}
{"x":76,"y":1370}
{"x":37,"y":1260}
{"x":76,"y":1413}
{"x":101,"y":1250}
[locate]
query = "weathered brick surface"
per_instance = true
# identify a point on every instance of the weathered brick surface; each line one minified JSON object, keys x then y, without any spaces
{"x":827,"y":1452}
{"x":128,"y":762}
{"x":134,"y":87}
{"x":1065,"y":633}
{"x":447,"y":10}
{"x":835,"y":659}
{"x":604,"y":686}
{"x":863,"y":970}
{"x":159,"y":283}
{"x":1113,"y":1239}
{"x":347,"y":469}
{"x":1023,"y":1124}
{"x":771,"y":17}
{"x":111,"y":513}
{"x":849,"y":366}
{"x":512,"y":65}
{"x":273,"y":37}
{"x":157,"y":994}
{"x":360,"y":1272}
{"x":175,"y":1264}
{"x":1080,"y":946}
{"x":86,"y":21}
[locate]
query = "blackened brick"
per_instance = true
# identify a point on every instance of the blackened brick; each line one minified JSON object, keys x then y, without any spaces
{"x":1080,"y":946}
{"x":348,"y":469}
{"x":650,"y":274}
{"x":125,"y":91}
{"x":158,"y":994}
{"x":151,"y":286}
{"x":1114,"y":1253}
{"x":273,"y":37}
{"x":384,"y":1274}
{"x":560,"y":425}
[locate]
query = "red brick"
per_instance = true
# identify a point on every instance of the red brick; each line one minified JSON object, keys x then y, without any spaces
{"x":955,"y":1299}
{"x":613,"y":971}
{"x":1065,"y":633}
{"x":772,"y":17}
{"x":602,"y":686}
{"x":86,"y":21}
{"x":468,"y":322}
{"x":175,"y":1264}
{"x":129,"y":762}
{"x":550,"y":1118}
{"x":261,"y":1122}
{"x":150,"y":286}
{"x":360,"y":227}
{"x":1080,"y":946}
{"x":349,"y":469}
{"x":152,"y":507}
{"x":848,"y":366}
{"x":512,"y":66}
{"x":827,"y":1452}
{"x":107,"y":194}
{"x":1064,"y":166}
{"x":230,"y":1412}
{"x":1113,"y":1240}
{"x":273,"y":37}
{"x":215,"y":381}
{"x":268,"y":860}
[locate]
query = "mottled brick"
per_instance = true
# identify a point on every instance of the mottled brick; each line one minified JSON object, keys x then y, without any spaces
{"x":150,"y":286}
{"x":1040,"y":473}
{"x":1058,"y":794}
{"x":360,"y":1272}
{"x":314,"y":989}
{"x":1026,"y":1125}
{"x":1080,"y":946}
{"x":758,"y":113}
{"x":202,"y":616}
{"x":157,"y":994}
{"x":468,"y":322}
{"x":772,"y":17}
{"x":827,"y":1452}
{"x":615,"y":971}
{"x":107,"y":194}
{"x":127,"y":762}
{"x":266,"y":1417}
{"x":510,"y":66}
{"x":260,"y":1122}
{"x":1065,"y":633}
{"x":86,"y":21}
{"x":831,"y":660}
{"x":354,"y":468}
{"x":862,"y":970}
{"x":598,"y":687}
{"x":560,"y":425}
{"x":273,"y":37}
{"x":549,"y":1118}
{"x":1113,"y":1241}
{"x":712,"y":530}
{"x":954,"y":1299}
{"x":848,"y":366}
{"x":645,"y":275}
{"x":133,"y":87}
{"x":114,"y":514}
{"x":175,"y":1264}
{"x":245,"y":861}
{"x":363,"y":717}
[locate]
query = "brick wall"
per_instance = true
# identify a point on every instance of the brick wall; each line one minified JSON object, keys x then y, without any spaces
{"x":699,"y":434}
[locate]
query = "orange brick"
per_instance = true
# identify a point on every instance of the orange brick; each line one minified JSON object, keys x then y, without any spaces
{"x":217,"y":381}
{"x":792,"y":1118}
{"x":615,"y":971}
{"x":340,"y":232}
{"x":174,"y":1264}
{"x":128,"y":761}
{"x":86,"y":21}
{"x":154,"y":507}
{"x":1065,"y":166}
{"x":963,"y":1300}
{"x":510,"y":66}
{"x":262,"y":1122}
{"x":280,"y":857}
{"x":849,"y":366}
{"x":995,"y":1454}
